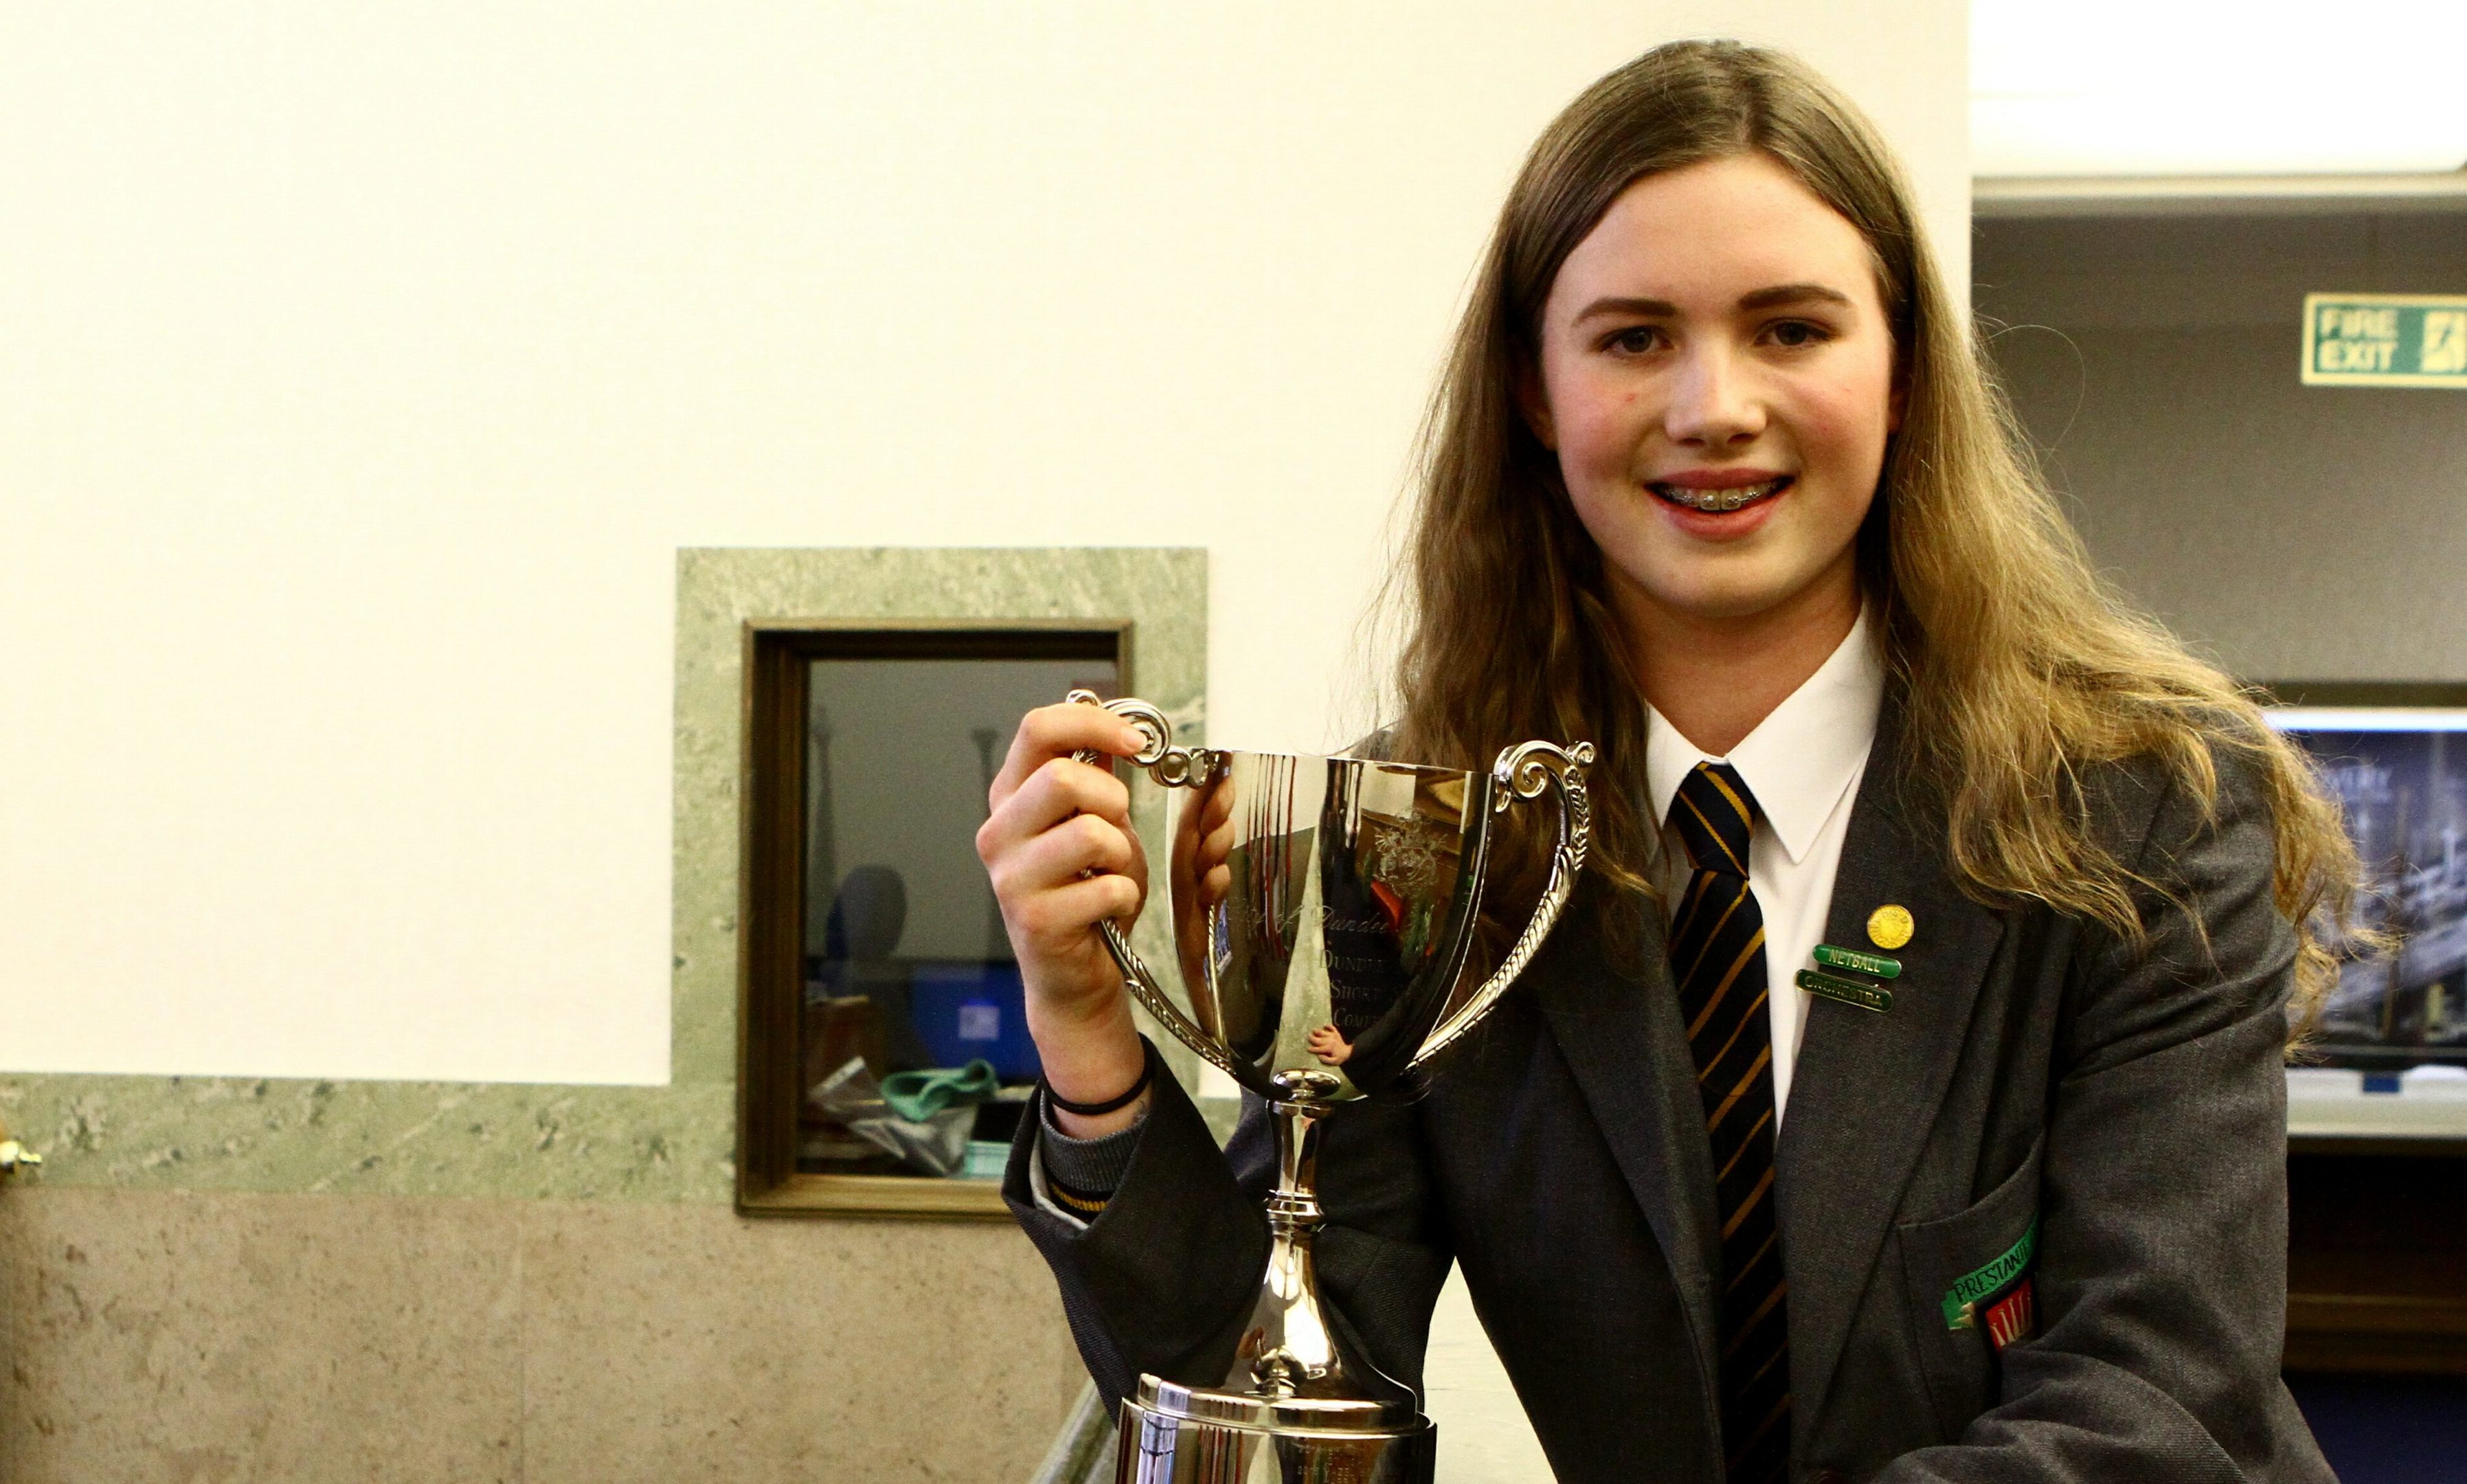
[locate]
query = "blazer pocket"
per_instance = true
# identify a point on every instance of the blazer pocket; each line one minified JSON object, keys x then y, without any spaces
{"x":1960,"y":1363}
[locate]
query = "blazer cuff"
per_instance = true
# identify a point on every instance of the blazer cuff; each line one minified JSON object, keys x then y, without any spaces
{"x":1089,"y":1166}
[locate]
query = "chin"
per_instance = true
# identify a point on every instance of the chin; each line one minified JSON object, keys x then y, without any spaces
{"x":1720,"y":596}
{"x":1688,"y":585}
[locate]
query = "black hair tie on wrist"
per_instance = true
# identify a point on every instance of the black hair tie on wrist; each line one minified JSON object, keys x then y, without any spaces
{"x":1147,"y":1075}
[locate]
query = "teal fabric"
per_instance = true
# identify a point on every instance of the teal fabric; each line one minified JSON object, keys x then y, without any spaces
{"x":917,"y":1096}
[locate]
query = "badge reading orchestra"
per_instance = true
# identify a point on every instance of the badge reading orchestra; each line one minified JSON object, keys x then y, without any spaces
{"x":1848,"y":991}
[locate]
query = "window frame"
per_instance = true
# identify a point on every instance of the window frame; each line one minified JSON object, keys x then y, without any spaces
{"x":771,"y":911}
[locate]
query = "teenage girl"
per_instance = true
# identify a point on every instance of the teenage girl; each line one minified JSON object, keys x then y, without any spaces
{"x":1716,"y":482}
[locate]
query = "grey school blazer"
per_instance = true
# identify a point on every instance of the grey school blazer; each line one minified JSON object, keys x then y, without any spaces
{"x":2032,"y":1069}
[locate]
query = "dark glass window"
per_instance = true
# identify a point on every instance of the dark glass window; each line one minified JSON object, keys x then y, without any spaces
{"x":886,"y":1032}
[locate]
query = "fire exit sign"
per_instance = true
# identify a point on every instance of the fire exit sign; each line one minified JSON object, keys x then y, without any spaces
{"x":2386,"y":340}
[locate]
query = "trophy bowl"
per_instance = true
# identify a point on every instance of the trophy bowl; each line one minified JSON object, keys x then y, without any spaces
{"x":1322,"y":910}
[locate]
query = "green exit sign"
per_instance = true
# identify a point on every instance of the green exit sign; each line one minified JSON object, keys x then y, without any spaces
{"x":2386,"y":340}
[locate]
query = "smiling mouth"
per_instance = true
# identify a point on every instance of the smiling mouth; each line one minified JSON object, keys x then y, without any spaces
{"x":1723,"y":501}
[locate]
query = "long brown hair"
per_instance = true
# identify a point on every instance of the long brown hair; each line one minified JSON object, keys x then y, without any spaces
{"x":2017,"y":669}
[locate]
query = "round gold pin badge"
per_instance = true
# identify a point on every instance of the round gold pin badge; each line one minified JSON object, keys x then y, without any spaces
{"x":1889,"y":927}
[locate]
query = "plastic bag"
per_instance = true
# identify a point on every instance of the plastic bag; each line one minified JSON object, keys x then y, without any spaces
{"x":936,"y":1146}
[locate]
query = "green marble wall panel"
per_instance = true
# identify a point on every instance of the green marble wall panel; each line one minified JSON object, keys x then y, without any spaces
{"x":674,"y":1143}
{"x":667,"y":1143}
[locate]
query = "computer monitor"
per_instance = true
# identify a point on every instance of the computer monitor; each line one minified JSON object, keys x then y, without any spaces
{"x":2400,"y":774}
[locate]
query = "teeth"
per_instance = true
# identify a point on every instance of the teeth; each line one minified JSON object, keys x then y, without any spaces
{"x":1718,"y":501}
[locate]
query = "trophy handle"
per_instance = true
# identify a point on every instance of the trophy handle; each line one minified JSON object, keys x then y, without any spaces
{"x":1522,"y":772}
{"x":1173,"y":767}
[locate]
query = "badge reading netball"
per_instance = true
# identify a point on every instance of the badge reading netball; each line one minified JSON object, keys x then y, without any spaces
{"x":1889,"y":927}
{"x":1876,"y":964}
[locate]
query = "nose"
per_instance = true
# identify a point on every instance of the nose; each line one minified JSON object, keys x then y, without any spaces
{"x":1713,"y":405}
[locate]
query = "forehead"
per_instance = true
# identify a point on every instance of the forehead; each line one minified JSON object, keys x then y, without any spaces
{"x":1711,"y":232}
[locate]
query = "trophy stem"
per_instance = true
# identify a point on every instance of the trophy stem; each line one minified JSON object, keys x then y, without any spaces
{"x":1296,"y":1351}
{"x":1289,"y":1349}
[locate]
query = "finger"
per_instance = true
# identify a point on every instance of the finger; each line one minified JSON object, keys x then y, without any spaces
{"x":1057,"y":917}
{"x":1184,"y":840}
{"x":1050,"y":732}
{"x":1139,"y":866}
{"x":1219,"y":807}
{"x":1062,"y":855}
{"x":1218,"y":847}
{"x":1217,"y":885}
{"x":1054,"y":792}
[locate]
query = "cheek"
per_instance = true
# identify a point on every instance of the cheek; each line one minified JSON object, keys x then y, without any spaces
{"x":1624,"y":526}
{"x":1845,"y":426}
{"x":1597,"y":426}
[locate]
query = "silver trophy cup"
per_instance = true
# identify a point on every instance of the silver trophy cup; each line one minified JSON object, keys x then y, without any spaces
{"x":1321,"y":910}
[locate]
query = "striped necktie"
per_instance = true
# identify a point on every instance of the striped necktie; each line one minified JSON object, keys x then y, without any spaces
{"x":1717,"y":960}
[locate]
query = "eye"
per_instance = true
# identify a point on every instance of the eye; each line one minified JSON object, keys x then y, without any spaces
{"x":1635,"y":340}
{"x":1796,"y":333}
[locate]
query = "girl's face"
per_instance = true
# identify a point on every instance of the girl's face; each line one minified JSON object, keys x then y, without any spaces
{"x":1717,"y":381}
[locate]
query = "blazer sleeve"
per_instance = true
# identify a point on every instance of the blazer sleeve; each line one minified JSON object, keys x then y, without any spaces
{"x":2161,"y":1278}
{"x":1163,"y":1280}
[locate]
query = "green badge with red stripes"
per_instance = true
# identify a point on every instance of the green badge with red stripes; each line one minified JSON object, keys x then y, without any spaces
{"x":1996,"y":1297}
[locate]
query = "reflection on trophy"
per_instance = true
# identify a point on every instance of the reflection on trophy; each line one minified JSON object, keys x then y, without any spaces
{"x":1321,"y":910}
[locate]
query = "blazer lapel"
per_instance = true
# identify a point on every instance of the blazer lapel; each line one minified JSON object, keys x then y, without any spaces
{"x":1866,"y":1085}
{"x":1616,"y":1024}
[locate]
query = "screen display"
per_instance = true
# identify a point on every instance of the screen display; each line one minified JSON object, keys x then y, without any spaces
{"x":2400,"y":775}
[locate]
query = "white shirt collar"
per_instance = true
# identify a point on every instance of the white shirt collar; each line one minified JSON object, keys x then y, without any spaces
{"x":1803,"y":757}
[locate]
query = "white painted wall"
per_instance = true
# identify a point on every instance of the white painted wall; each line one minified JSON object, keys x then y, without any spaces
{"x":361,"y":369}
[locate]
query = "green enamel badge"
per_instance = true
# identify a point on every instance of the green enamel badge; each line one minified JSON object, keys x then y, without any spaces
{"x":1850,"y":992}
{"x":1961,"y":1300}
{"x":1876,"y":964}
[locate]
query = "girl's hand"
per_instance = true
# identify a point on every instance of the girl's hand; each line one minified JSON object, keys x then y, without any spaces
{"x":1200,"y":877}
{"x":1058,"y":845}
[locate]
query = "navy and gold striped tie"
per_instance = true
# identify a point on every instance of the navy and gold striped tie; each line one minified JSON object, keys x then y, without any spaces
{"x":1717,"y":959}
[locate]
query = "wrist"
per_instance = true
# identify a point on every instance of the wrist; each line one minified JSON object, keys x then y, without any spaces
{"x":1096,"y":1126}
{"x":1088,"y":1059}
{"x":1125,"y":1101}
{"x":1094,"y":1062}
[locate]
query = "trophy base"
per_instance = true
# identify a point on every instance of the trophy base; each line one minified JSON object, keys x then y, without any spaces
{"x":1173,"y":1434}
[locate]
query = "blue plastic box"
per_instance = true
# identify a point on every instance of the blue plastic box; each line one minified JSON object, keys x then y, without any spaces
{"x":963,"y":1011}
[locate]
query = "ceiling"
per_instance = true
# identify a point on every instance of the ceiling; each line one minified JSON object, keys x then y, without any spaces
{"x":2205,"y":87}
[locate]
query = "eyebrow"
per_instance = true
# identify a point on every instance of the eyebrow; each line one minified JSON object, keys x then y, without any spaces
{"x":1793,"y":293}
{"x":1759,"y":299}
